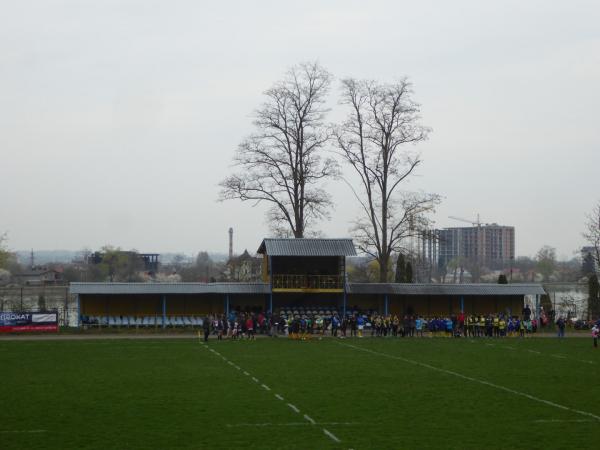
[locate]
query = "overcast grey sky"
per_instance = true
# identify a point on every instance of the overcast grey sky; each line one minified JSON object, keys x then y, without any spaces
{"x":119,"y":118}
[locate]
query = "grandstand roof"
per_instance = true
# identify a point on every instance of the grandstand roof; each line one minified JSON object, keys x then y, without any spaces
{"x":307,"y":247}
{"x":431,"y":289}
{"x":446,"y":289}
{"x":169,"y":288}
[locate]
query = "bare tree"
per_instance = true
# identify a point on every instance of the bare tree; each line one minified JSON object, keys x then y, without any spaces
{"x":592,"y":233}
{"x":281,"y":164}
{"x":383,"y":119}
{"x":4,"y":254}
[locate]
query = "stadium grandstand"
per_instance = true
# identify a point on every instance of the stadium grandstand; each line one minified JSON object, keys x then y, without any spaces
{"x":300,"y":277}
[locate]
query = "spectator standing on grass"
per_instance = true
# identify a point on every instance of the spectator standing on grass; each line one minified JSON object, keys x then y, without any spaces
{"x":335,"y":324}
{"x":502,"y":327}
{"x":353,"y":326}
{"x":360,"y":324}
{"x":219,"y":323}
{"x":243,"y":326}
{"x":206,"y":328}
{"x":521,"y":325}
{"x":526,"y":313}
{"x":344,"y":326}
{"x":561,"y":327}
{"x":395,"y":325}
{"x":250,"y":328}
{"x":595,"y":332}
{"x":406,"y":326}
{"x":448,"y":324}
{"x":419,"y":326}
{"x":490,"y":326}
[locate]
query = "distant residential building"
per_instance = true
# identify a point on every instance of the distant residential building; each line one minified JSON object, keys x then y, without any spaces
{"x":150,"y":261}
{"x":423,"y":253}
{"x":244,"y":268}
{"x":39,"y":276}
{"x":491,"y":245}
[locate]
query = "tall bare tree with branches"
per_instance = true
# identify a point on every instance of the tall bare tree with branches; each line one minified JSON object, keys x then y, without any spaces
{"x":4,"y":253}
{"x":382,"y":121}
{"x":592,"y":233}
{"x":282,"y":163}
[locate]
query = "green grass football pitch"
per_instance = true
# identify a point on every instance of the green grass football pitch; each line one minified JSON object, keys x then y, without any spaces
{"x":276,"y":393}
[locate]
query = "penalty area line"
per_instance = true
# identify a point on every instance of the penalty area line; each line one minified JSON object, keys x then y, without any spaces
{"x":475,"y":380}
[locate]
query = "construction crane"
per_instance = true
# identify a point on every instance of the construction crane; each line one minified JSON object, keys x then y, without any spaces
{"x":472,"y":222}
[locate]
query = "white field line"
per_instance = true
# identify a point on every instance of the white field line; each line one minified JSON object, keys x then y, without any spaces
{"x":22,"y":431}
{"x":289,"y":424}
{"x":144,"y":347}
{"x":310,"y":419}
{"x":293,"y":407}
{"x":536,"y":352}
{"x":268,"y":424}
{"x":331,"y":435}
{"x":476,"y":380}
{"x":563,"y":421}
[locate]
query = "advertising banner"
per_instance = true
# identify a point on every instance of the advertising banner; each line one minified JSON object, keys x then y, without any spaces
{"x":14,"y":322}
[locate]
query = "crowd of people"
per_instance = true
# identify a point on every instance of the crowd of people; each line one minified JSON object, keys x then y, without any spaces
{"x":246,"y":325}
